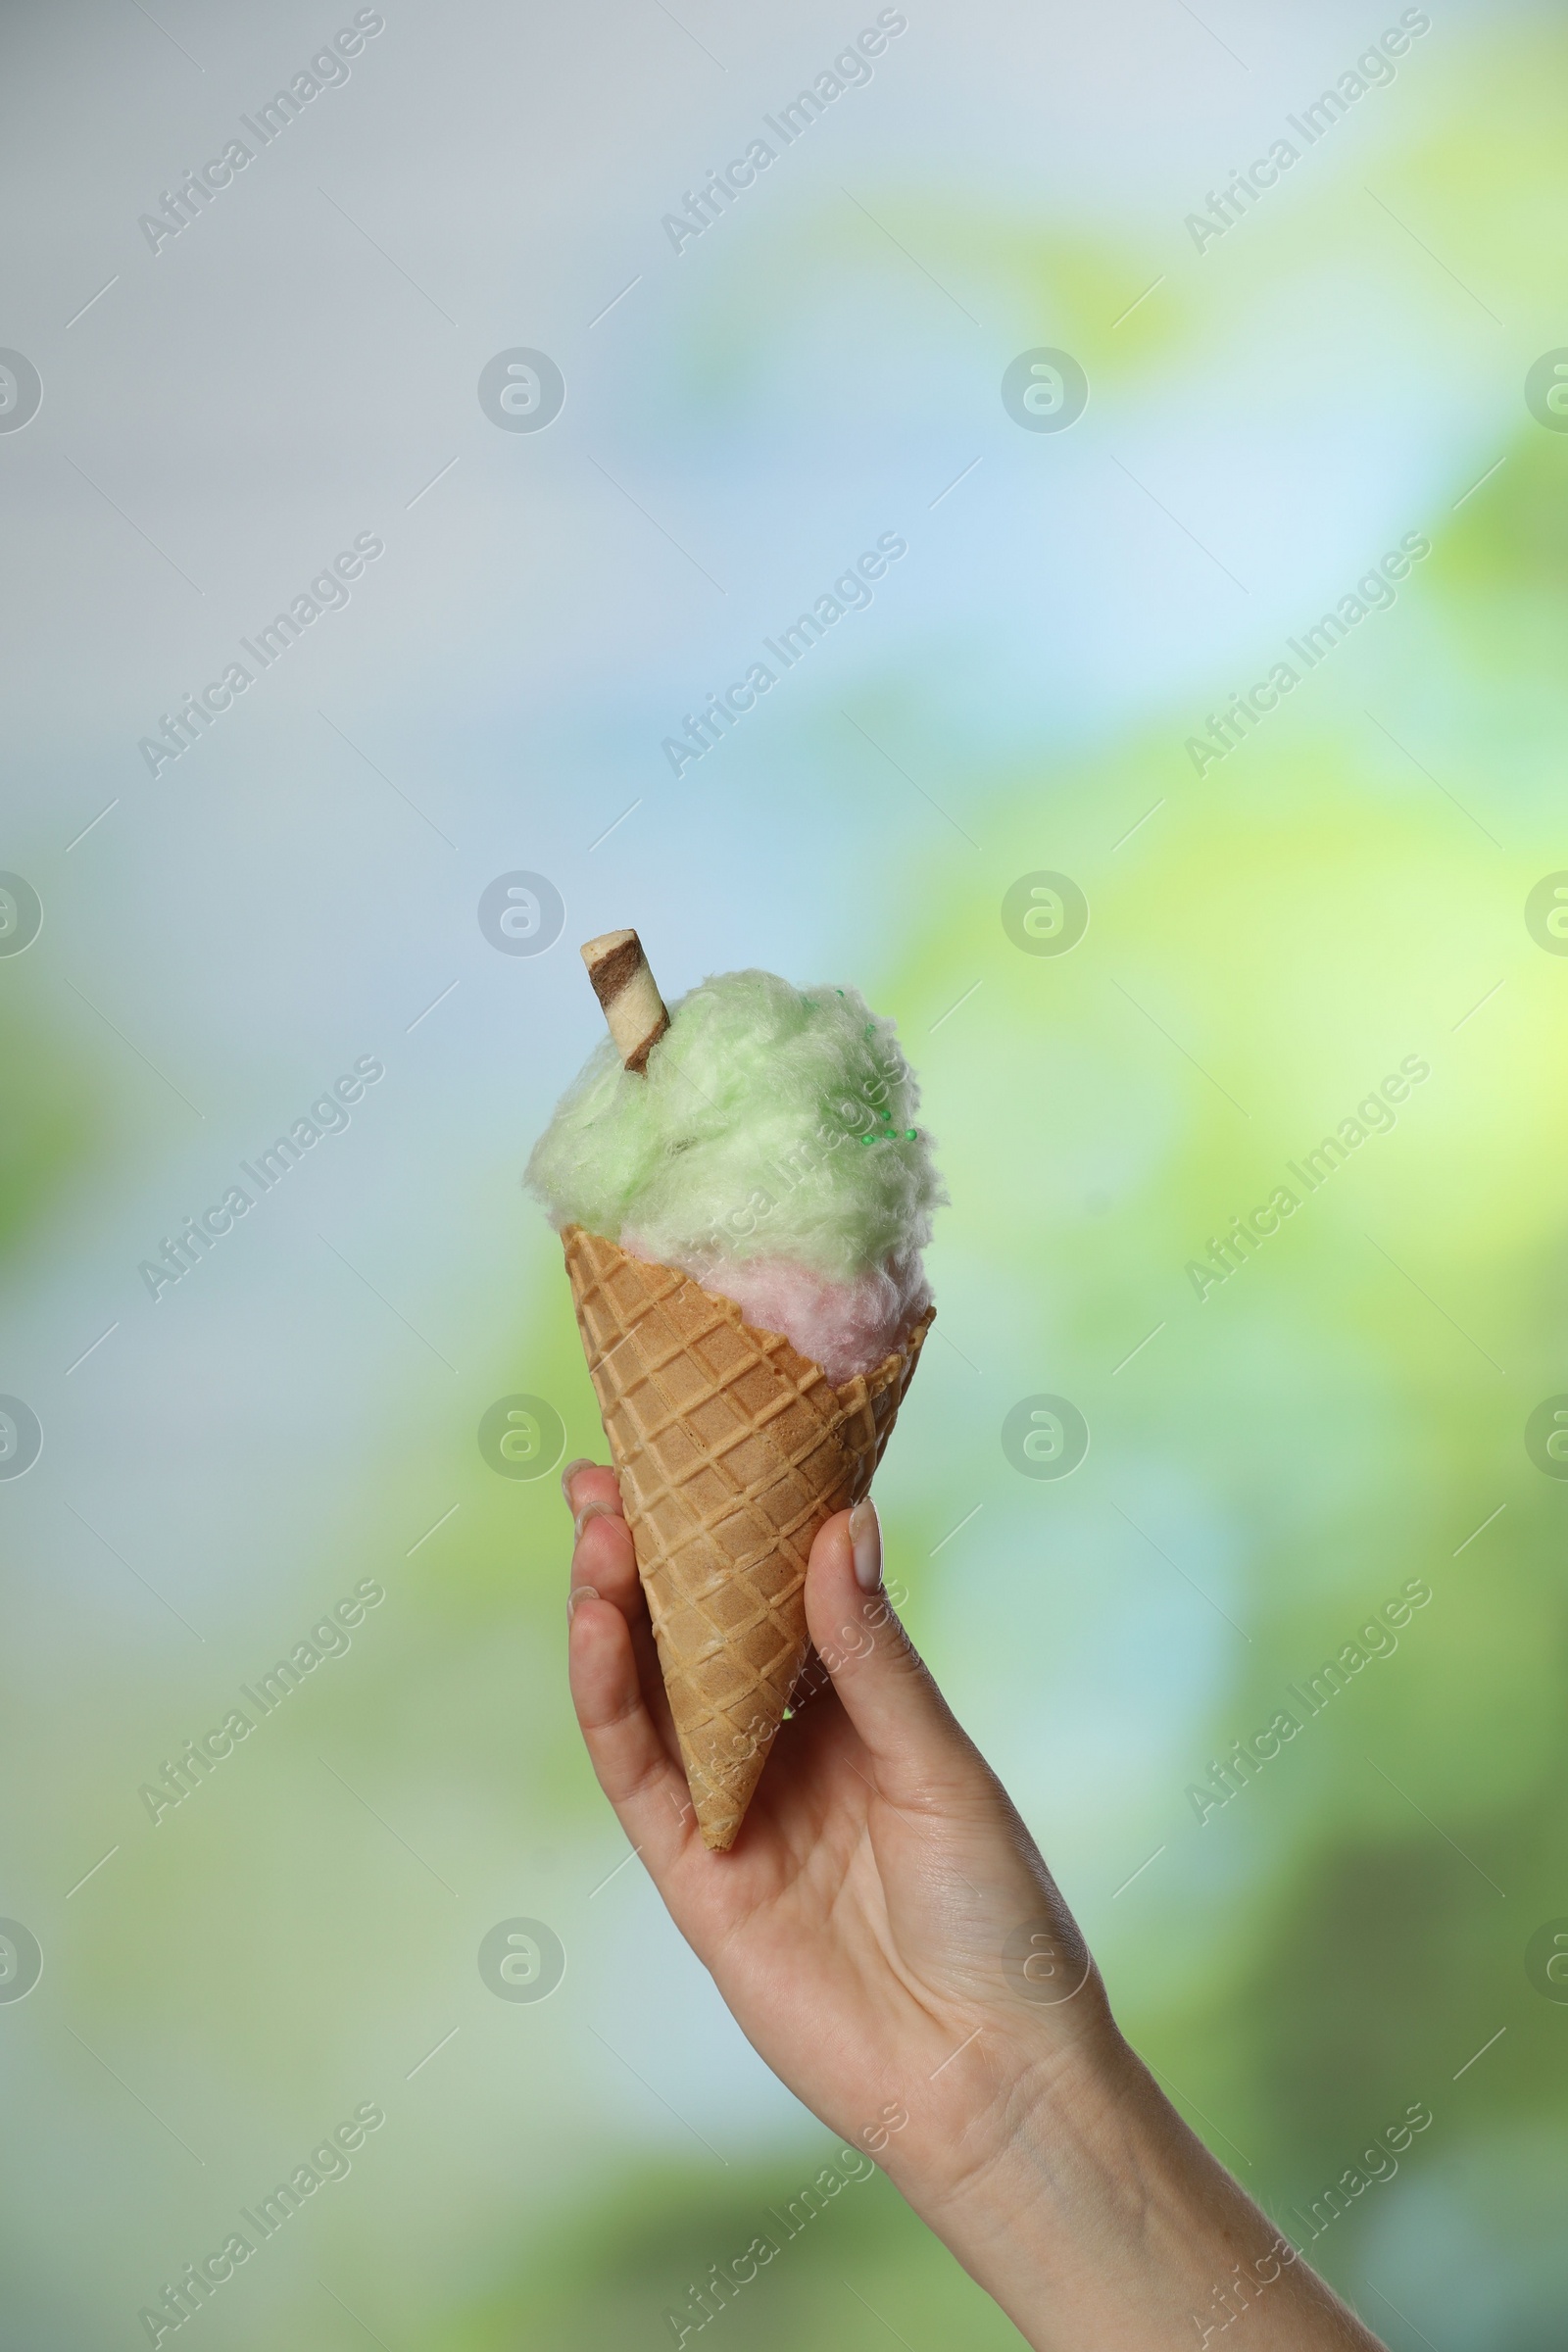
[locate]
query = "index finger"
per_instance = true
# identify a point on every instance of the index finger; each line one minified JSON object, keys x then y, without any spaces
{"x":604,"y":1563}
{"x":635,"y":1768}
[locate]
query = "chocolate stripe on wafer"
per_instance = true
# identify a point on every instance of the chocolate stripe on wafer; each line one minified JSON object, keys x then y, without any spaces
{"x":629,"y":995}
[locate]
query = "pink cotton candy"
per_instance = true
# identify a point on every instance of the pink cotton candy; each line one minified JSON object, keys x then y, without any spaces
{"x":846,"y":1327}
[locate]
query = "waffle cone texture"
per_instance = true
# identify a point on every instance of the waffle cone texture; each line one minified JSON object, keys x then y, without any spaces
{"x":731,"y":1449}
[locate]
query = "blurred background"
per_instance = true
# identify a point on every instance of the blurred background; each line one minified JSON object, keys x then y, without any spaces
{"x":463,"y":301}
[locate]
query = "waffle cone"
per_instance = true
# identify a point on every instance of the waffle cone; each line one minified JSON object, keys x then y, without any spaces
{"x":731,"y":1450}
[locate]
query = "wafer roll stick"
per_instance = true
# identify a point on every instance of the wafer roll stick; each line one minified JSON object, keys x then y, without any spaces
{"x":629,"y":995}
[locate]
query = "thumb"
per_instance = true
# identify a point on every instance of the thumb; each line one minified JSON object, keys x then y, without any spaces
{"x":913,"y":1739}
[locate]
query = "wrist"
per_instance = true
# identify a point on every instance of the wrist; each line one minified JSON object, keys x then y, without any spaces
{"x":1030,"y":2132}
{"x":1055,"y":2120}
{"x":1092,"y":2215}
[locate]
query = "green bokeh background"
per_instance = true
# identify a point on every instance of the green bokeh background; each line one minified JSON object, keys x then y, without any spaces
{"x":1267,"y":1464}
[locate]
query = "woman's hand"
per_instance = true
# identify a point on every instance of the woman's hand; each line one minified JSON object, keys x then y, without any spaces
{"x":881,"y":1885}
{"x":891,"y":1943}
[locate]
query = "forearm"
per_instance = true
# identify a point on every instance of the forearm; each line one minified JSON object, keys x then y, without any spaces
{"x":1100,"y":2220}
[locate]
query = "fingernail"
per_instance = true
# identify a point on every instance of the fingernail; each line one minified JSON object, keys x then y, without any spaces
{"x":866,"y":1537}
{"x":591,"y":1510}
{"x":569,"y":1473}
{"x":578,"y":1592}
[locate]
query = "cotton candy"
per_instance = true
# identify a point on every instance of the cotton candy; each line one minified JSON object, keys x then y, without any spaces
{"x":770,"y":1150}
{"x":846,"y":1327}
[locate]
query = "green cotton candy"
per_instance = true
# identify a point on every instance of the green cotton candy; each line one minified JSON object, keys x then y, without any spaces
{"x":770,"y":1123}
